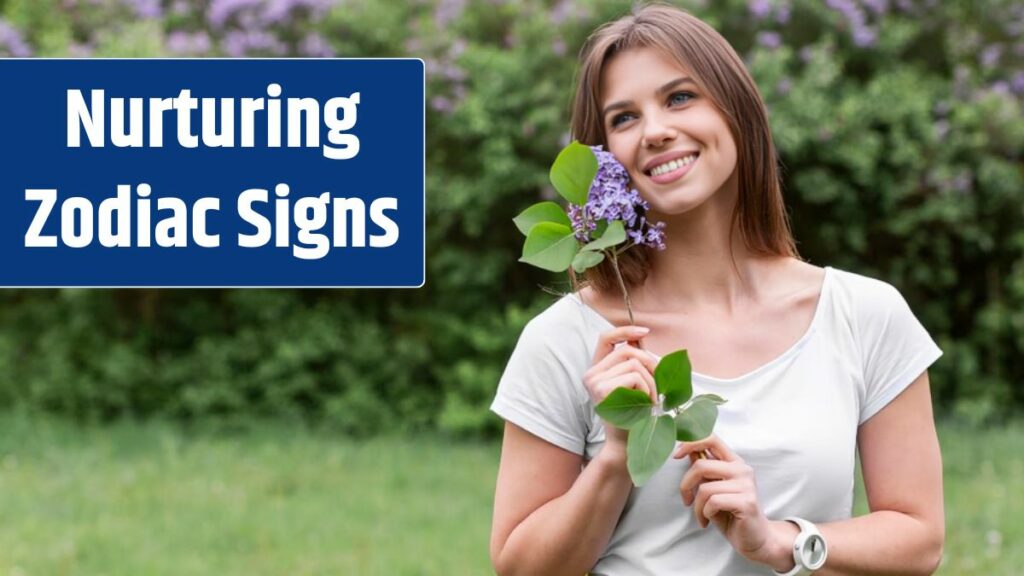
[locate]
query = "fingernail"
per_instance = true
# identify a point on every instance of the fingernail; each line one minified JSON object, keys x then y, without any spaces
{"x":641,"y":330}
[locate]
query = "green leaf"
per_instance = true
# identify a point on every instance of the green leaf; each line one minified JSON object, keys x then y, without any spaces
{"x":550,"y":246}
{"x":624,"y":407}
{"x":650,"y":442}
{"x":715,"y":398}
{"x":541,"y":212}
{"x":585,"y":260}
{"x":613,"y":236}
{"x":573,"y":172}
{"x":672,"y":376}
{"x":698,"y":420}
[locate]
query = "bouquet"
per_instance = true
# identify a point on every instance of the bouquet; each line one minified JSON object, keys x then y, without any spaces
{"x":604,"y":218}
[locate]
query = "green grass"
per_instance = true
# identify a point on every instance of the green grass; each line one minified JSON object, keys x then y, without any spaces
{"x":152,"y":499}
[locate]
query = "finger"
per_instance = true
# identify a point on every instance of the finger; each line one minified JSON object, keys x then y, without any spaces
{"x":713,"y":445}
{"x":708,"y":470}
{"x":623,"y":353}
{"x":607,"y":340}
{"x":734,"y":503}
{"x":631,"y":366}
{"x":706,"y":491}
{"x":691,"y":497}
{"x":630,"y":380}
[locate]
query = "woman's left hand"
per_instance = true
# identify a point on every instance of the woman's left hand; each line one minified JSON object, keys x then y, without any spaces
{"x":721,"y":489}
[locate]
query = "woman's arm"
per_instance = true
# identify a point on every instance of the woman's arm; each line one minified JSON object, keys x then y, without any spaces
{"x":549,"y":517}
{"x":902,"y":466}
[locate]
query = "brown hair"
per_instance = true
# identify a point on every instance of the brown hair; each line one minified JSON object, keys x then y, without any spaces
{"x":719,"y":71}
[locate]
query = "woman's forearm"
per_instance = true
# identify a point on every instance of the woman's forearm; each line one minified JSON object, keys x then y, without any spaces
{"x":883,"y":542}
{"x":568,"y":534}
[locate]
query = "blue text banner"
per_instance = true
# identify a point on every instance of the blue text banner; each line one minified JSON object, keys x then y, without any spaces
{"x":212,"y":173}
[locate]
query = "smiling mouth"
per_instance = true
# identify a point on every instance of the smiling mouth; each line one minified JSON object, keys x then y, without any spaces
{"x":672,"y":165}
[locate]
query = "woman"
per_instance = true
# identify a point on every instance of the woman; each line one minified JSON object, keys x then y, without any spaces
{"x":815,"y":362}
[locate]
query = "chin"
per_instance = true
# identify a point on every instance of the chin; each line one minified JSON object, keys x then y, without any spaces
{"x":675,"y":203}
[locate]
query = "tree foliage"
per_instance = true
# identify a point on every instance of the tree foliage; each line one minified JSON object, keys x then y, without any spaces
{"x":899,"y":126}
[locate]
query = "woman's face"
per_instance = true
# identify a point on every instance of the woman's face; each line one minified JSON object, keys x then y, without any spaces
{"x":675,"y":144}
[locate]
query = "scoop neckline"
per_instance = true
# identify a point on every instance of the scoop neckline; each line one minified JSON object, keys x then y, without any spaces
{"x":793,"y":349}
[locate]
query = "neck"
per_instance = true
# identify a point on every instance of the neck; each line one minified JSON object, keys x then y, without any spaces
{"x":705,"y":264}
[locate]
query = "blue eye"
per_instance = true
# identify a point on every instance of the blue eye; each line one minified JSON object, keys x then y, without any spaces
{"x":680,"y":98}
{"x":620,"y":118}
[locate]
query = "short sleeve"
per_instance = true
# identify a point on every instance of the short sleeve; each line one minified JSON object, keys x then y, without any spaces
{"x":895,"y":347}
{"x":541,"y":388}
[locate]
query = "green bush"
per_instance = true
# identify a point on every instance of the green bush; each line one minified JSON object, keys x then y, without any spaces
{"x":900,"y":130}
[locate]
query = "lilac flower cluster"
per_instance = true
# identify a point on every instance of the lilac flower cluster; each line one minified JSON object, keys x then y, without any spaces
{"x":567,"y":11}
{"x":11,"y":41}
{"x":863,"y":34}
{"x":763,"y":9}
{"x":251,"y":13}
{"x":769,"y":39}
{"x":610,"y":199}
{"x":447,"y":11}
{"x":181,"y":43}
{"x":253,"y":27}
{"x":146,"y":9}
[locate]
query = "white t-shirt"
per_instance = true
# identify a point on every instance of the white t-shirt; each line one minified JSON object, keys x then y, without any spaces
{"x":794,"y":419}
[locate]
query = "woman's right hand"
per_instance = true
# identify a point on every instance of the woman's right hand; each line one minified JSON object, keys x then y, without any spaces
{"x":620,"y":367}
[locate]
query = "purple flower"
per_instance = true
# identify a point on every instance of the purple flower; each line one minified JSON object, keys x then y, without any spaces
{"x":188,"y":44}
{"x":442,"y":104}
{"x":238,"y":43}
{"x":278,"y":11}
{"x":879,"y":7}
{"x":220,"y":11}
{"x":1000,"y":87}
{"x":12,"y":42}
{"x":1017,"y":83}
{"x":610,"y":198}
{"x":181,"y":8}
{"x":316,"y":46}
{"x":759,"y":9}
{"x":849,"y":9}
{"x":770,"y":40}
{"x":146,"y":9}
{"x":864,"y":36}
{"x":782,"y":13}
{"x":566,"y":10}
{"x":990,"y":56}
{"x":448,"y":11}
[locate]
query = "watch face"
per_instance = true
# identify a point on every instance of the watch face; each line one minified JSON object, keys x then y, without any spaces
{"x":813,"y":552}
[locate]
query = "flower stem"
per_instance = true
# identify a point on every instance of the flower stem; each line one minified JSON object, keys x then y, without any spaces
{"x":622,"y":285}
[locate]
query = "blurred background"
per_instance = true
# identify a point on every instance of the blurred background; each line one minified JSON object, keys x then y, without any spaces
{"x":326,"y":431}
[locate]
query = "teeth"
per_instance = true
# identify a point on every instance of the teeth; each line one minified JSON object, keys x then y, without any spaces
{"x":673,"y":165}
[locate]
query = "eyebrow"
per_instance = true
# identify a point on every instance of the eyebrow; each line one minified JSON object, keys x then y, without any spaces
{"x":664,"y":88}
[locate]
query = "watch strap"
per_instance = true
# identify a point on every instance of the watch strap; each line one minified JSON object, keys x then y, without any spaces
{"x":806,"y":528}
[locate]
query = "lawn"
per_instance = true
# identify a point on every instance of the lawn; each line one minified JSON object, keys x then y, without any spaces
{"x":153,"y":499}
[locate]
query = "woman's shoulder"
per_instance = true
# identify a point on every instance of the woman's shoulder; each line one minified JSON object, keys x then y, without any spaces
{"x":868,"y":305}
{"x":862,"y":291}
{"x":567,"y":317}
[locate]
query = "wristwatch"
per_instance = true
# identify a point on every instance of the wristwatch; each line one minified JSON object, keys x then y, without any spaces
{"x":809,"y":550}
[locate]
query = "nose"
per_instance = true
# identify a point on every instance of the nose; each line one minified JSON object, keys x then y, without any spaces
{"x":657,"y":131}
